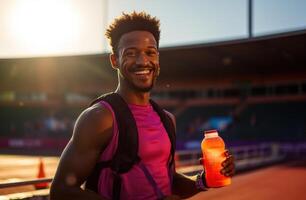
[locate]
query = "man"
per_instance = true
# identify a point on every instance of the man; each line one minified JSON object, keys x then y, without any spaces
{"x":134,"y":39}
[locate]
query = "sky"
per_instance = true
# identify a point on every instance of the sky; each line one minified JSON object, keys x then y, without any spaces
{"x":34,"y":28}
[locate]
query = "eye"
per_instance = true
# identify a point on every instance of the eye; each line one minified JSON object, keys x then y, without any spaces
{"x":130,"y":53}
{"x":152,"y":53}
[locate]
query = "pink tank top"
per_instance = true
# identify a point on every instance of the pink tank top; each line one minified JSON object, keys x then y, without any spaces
{"x":154,"y":151}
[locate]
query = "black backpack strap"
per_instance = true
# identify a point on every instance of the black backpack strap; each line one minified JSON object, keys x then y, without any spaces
{"x":116,"y":186}
{"x":169,"y":126}
{"x":100,"y":98}
{"x":93,"y":179}
{"x":125,"y":156}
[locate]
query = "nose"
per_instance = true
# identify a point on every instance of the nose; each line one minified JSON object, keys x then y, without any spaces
{"x":142,"y":60}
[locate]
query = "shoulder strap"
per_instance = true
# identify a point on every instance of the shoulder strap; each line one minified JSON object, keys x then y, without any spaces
{"x":169,"y":126}
{"x":125,"y":156}
{"x":93,"y":179}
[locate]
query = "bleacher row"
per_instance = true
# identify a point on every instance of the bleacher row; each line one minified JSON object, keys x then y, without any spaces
{"x":28,"y":122}
{"x":275,"y":121}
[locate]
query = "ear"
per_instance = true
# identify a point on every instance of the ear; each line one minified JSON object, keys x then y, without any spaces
{"x":113,"y":60}
{"x":158,"y":71}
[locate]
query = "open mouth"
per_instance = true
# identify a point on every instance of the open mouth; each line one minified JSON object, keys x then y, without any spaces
{"x":143,"y":72}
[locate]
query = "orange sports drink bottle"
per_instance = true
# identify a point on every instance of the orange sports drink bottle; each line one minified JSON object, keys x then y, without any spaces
{"x":213,"y":148}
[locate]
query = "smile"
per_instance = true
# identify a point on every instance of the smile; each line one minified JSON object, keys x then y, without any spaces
{"x":143,"y":72}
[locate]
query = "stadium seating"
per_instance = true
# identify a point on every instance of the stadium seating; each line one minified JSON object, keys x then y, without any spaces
{"x":274,"y":121}
{"x":277,"y":121}
{"x":190,"y":121}
{"x":37,"y":121}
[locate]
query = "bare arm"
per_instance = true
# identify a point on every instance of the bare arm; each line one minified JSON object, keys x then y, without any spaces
{"x":92,"y":133}
{"x":183,"y":186}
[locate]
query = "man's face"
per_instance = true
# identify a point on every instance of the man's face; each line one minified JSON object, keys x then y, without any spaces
{"x":138,"y":60}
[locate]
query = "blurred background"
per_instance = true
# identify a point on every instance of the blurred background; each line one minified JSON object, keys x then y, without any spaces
{"x":236,"y":66}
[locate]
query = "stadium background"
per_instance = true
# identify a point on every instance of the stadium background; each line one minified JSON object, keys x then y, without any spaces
{"x":252,"y":90}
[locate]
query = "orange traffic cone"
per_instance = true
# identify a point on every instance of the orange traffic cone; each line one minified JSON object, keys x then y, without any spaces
{"x":41,"y":174}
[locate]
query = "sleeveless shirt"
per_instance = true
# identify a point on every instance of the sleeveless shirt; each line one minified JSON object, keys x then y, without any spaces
{"x":154,"y":151}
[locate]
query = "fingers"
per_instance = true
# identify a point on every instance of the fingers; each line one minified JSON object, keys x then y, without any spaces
{"x":228,"y":171}
{"x":228,"y":166}
{"x":226,"y":153}
{"x":229,"y":159}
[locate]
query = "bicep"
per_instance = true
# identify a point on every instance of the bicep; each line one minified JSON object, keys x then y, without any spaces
{"x":75,"y":165}
{"x":92,"y":133}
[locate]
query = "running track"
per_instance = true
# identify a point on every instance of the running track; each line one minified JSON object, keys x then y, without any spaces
{"x":279,"y":182}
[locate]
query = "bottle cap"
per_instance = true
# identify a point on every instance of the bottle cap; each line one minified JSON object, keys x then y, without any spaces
{"x":211,"y":133}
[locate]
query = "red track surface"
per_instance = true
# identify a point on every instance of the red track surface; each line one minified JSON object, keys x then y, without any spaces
{"x":281,"y":182}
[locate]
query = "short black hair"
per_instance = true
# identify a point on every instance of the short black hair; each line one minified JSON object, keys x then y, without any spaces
{"x":132,"y":22}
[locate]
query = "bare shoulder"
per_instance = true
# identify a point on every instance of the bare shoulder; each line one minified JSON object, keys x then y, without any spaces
{"x":92,"y":132}
{"x":94,"y":125}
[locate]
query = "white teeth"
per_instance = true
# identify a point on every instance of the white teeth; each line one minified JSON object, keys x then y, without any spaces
{"x":142,"y":72}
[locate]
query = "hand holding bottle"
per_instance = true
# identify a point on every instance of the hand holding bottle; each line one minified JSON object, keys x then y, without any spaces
{"x":218,"y":164}
{"x":228,"y":165}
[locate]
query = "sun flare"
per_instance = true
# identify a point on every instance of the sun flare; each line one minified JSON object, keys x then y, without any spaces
{"x":44,"y":26}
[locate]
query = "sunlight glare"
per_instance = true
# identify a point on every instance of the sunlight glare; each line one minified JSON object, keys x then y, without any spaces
{"x":45,"y":26}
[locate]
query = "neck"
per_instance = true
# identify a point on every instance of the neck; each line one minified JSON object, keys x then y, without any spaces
{"x":133,"y":97}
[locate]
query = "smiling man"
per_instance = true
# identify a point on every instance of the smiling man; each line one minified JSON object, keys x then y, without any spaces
{"x":123,"y":144}
{"x":137,"y":62}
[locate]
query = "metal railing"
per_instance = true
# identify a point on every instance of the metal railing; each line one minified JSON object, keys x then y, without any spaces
{"x":27,"y":182}
{"x":246,"y":157}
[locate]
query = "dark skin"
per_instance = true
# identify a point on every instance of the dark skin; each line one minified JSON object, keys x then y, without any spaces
{"x":228,"y":165}
{"x":137,"y":63}
{"x":92,"y":132}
